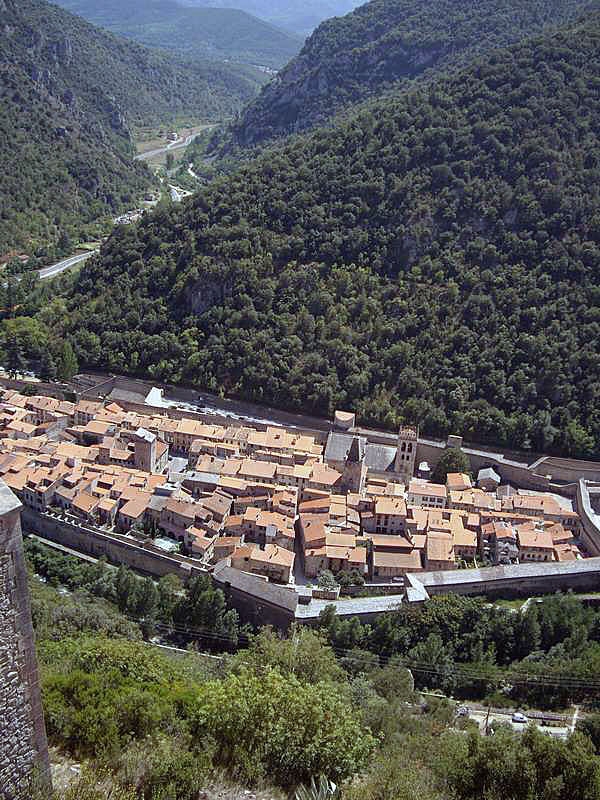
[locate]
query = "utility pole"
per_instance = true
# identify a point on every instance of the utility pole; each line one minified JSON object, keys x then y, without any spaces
{"x":574,"y":720}
{"x":487,"y":721}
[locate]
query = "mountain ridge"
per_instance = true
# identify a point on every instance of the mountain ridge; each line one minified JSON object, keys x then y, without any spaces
{"x":287,"y":14}
{"x":219,"y":34}
{"x":351,"y":58}
{"x":70,"y":95}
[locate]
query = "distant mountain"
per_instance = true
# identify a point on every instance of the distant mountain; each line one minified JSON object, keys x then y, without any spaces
{"x":385,"y":41}
{"x":300,"y":17}
{"x":214,"y":33}
{"x":69,"y":96}
{"x":435,"y":258}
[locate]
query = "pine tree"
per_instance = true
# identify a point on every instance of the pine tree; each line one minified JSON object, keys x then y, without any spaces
{"x":48,"y":370}
{"x":67,"y":364}
{"x":15,"y":361}
{"x":126,"y":589}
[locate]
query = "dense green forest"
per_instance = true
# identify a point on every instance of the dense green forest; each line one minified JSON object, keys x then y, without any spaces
{"x":546,"y":656}
{"x":434,"y":260}
{"x":301,"y":18}
{"x":385,"y":41}
{"x":224,"y":33}
{"x":148,"y":724}
{"x":70,"y":96}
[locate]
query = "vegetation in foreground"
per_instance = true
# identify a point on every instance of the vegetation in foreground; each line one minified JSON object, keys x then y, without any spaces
{"x":155,"y":726}
{"x":197,"y":610}
{"x":338,"y":702}
{"x":546,"y":656}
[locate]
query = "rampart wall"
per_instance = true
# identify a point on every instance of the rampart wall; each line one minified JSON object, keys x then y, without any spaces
{"x":117,"y":550}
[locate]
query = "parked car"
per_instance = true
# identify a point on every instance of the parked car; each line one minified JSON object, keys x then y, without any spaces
{"x":520,"y":718}
{"x":462,"y":711}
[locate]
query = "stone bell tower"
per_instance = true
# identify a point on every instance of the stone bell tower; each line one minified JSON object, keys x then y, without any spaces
{"x":23,"y":746}
{"x":406,"y":455}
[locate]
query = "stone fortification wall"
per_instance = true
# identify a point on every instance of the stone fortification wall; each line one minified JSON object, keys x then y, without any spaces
{"x":590,"y":521}
{"x":115,"y":549}
{"x":23,"y":747}
{"x":523,"y":580}
{"x":542,"y":474}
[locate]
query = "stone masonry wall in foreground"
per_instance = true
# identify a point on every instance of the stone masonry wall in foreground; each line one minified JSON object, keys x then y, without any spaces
{"x":23,"y":747}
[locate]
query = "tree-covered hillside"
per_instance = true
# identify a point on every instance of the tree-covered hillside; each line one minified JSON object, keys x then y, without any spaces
{"x":69,"y":95}
{"x":217,"y":33}
{"x":364,"y":53}
{"x":434,"y":259}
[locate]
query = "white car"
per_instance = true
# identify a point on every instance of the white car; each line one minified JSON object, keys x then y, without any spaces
{"x":520,"y":718}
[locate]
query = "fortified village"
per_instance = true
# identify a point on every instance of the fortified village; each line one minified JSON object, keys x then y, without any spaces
{"x":286,"y":519}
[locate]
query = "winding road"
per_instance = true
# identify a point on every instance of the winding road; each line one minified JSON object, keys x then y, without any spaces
{"x":55,"y":269}
{"x":176,"y":145}
{"x":177,"y":195}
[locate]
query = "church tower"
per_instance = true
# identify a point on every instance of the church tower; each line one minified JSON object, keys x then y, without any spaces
{"x":406,"y":455}
{"x":145,"y":450}
{"x":355,"y":468}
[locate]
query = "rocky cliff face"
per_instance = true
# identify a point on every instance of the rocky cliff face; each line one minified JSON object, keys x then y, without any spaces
{"x":382,"y":43}
{"x":52,"y":63}
{"x":309,"y":90}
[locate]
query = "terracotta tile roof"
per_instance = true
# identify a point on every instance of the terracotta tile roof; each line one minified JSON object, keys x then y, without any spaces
{"x":136,"y":507}
{"x":427,"y":489}
{"x":458,"y":482}
{"x":439,"y":547}
{"x":409,"y":560}
{"x":535,"y":538}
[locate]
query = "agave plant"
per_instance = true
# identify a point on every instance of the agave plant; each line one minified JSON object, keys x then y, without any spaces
{"x":324,"y":789}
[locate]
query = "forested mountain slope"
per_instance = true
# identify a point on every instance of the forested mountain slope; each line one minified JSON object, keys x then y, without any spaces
{"x":301,"y":18}
{"x":434,"y":259}
{"x":69,"y":94}
{"x":364,"y":53}
{"x":217,"y":33}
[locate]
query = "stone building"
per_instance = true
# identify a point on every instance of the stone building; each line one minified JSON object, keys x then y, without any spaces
{"x":151,"y":455}
{"x":23,"y":746}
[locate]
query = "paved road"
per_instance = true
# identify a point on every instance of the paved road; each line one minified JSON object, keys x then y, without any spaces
{"x":177,"y":145}
{"x":192,"y":174}
{"x":481,"y":718}
{"x":55,"y":269}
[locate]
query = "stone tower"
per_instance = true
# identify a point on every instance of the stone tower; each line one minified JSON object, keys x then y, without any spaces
{"x":355,"y":469}
{"x":145,"y":450}
{"x":406,"y":455}
{"x":23,"y":746}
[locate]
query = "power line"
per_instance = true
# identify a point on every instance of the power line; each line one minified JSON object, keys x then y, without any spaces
{"x":466,"y":672}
